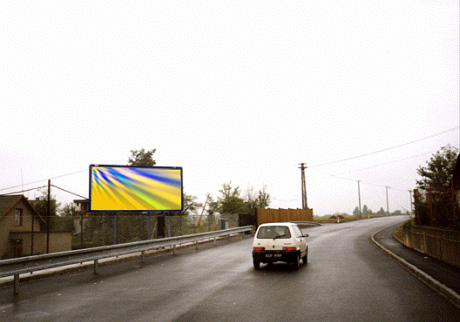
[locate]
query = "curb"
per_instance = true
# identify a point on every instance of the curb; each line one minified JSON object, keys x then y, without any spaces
{"x":440,"y":288}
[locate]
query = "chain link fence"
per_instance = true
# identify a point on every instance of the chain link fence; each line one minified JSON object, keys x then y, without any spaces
{"x":103,"y":229}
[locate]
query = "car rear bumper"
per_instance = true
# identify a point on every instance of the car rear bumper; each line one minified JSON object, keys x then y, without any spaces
{"x":269,"y":256}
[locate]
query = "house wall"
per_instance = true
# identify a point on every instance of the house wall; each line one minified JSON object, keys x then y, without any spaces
{"x":59,"y":242}
{"x":77,"y":223}
{"x":7,"y":225}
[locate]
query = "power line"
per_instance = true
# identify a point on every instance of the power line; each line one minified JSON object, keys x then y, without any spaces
{"x":60,"y":176}
{"x":382,"y":164}
{"x":387,"y":149}
{"x":72,"y":193}
{"x":13,"y":193}
{"x":355,"y":180}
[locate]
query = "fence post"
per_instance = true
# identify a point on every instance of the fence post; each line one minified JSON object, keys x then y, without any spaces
{"x":16,"y":283}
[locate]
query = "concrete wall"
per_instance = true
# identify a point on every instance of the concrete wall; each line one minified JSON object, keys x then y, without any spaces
{"x":280,"y":215}
{"x":439,"y":243}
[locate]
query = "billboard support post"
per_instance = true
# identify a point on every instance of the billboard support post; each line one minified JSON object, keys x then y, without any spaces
{"x":169,"y":224}
{"x":114,"y":228}
{"x":161,"y":225}
{"x":141,"y":189}
{"x":148,"y":225}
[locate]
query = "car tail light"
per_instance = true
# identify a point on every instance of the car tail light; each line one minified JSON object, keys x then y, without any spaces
{"x":258,"y":248}
{"x":290,"y":248}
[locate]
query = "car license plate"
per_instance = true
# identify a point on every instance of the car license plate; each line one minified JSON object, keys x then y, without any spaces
{"x":272,"y":255}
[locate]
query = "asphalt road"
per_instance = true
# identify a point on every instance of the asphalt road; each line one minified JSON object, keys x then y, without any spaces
{"x":347,"y":279}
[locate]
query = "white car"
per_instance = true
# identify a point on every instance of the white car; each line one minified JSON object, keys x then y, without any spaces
{"x":282,"y":241}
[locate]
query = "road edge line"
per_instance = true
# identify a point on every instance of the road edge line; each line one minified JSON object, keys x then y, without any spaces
{"x":427,"y":279}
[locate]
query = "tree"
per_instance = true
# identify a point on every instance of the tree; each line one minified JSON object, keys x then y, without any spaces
{"x":365,"y":211}
{"x":64,"y":221}
{"x":191,"y":206}
{"x":433,"y":198}
{"x":230,"y":201}
{"x":213,"y":207}
{"x":142,"y":158}
{"x":40,"y":204}
{"x":356,"y":212}
{"x":437,"y":174}
{"x":260,"y":200}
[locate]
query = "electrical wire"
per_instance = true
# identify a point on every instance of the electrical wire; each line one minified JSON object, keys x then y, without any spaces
{"x":13,"y":193}
{"x":72,"y":193}
{"x":356,"y":180}
{"x":382,"y":164}
{"x":60,"y":176}
{"x":387,"y":149}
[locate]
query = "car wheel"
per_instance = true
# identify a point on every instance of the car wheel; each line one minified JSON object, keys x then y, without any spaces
{"x":297,"y":262}
{"x":305,"y":259}
{"x":256,"y":264}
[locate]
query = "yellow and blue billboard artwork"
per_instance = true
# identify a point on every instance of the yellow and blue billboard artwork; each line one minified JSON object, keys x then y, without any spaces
{"x":124,"y":188}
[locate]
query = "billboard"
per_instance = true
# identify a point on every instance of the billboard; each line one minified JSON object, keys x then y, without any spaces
{"x":127,"y":188}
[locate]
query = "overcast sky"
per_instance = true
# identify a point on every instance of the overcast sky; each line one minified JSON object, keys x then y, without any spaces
{"x":239,"y":91}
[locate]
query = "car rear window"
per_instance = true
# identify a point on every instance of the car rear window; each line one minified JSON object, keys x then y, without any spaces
{"x":270,"y":232}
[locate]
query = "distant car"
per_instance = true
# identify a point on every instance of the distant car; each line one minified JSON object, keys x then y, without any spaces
{"x":282,"y":241}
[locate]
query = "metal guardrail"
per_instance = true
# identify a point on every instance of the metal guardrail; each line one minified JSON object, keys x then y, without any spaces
{"x":29,"y":264}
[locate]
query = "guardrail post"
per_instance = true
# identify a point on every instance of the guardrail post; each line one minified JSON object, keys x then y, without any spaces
{"x":17,"y":266}
{"x":174,"y":249}
{"x":16,"y":283}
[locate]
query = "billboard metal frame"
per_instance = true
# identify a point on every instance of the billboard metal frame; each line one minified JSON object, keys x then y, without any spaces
{"x":134,"y":210}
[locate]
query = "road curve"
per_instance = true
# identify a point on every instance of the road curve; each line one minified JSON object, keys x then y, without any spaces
{"x":347,"y":279}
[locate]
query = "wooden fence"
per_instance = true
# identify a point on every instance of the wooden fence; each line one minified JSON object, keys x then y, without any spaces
{"x":280,"y":215}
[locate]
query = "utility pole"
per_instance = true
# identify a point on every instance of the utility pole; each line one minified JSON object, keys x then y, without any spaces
{"x":48,"y":218}
{"x":32,"y":235}
{"x":304,"y":186}
{"x":388,"y":207}
{"x":201,"y":215}
{"x":359,"y":199}
{"x":410,"y":195}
